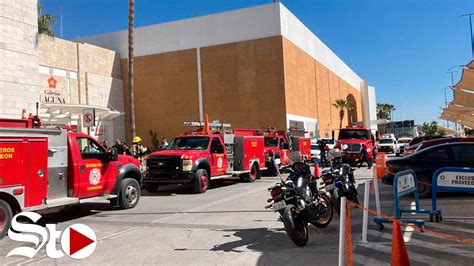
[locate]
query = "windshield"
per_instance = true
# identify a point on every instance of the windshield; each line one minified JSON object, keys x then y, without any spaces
{"x":354,"y":134}
{"x":189,"y":143}
{"x":404,"y":140}
{"x":315,"y":147}
{"x":329,"y":141}
{"x":271,"y":142}
{"x":386,"y":141}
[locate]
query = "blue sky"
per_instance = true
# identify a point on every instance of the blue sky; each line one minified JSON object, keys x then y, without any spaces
{"x":402,"y":47}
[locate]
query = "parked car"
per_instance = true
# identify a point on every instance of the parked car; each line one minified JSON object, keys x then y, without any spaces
{"x":416,"y":142}
{"x":401,"y":144}
{"x":427,"y":161}
{"x":429,"y":143}
{"x":387,"y":145}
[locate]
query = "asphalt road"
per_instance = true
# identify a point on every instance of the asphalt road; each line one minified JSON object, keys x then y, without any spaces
{"x":229,"y":225}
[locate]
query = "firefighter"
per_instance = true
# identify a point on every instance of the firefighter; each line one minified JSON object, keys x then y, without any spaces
{"x":364,"y":157}
{"x":137,"y":149}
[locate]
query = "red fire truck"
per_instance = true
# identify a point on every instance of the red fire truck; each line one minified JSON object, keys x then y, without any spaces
{"x":350,"y":142}
{"x":43,"y":168}
{"x":280,"y":145}
{"x":200,"y":155}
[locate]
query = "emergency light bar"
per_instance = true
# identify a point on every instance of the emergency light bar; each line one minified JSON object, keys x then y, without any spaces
{"x":215,"y":124}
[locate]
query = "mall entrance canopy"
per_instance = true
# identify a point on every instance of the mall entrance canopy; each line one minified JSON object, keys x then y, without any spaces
{"x":70,"y":114}
{"x":461,"y":109}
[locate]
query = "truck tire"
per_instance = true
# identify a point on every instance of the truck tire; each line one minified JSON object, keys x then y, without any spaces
{"x":151,"y":187}
{"x":253,"y":175}
{"x":202,"y":181}
{"x":6,"y":216}
{"x":129,"y":194}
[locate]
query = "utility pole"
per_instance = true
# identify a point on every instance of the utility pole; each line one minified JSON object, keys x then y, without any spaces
{"x":470,"y":26}
{"x":446,"y":99}
{"x":61,"y":22}
{"x":131,"y":21}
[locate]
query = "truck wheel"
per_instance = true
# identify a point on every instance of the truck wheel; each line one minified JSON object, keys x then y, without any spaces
{"x":252,"y":175}
{"x":201,"y":181}
{"x":6,"y":216}
{"x":129,"y":193}
{"x":151,"y":187}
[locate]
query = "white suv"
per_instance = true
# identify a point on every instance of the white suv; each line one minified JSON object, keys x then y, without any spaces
{"x":387,"y":145}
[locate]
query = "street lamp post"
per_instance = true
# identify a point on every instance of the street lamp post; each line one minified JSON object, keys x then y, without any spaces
{"x":470,"y":27}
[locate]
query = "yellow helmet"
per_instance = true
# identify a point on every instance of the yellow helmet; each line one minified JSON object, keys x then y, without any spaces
{"x":137,"y":139}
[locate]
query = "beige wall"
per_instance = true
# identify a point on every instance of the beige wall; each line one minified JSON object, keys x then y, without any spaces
{"x":311,"y":89}
{"x":165,"y":93}
{"x":85,"y":74}
{"x":243,"y":83}
{"x":250,"y":84}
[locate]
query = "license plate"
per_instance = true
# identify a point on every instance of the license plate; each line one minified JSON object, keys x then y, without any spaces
{"x":278,"y":205}
{"x":330,"y":186}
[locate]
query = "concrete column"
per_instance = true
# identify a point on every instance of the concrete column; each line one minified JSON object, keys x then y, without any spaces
{"x":199,"y":80}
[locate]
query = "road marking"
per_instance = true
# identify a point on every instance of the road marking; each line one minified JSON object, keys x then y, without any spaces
{"x":409,"y":228}
{"x":378,"y":246}
{"x":427,"y":244}
{"x":211,"y":204}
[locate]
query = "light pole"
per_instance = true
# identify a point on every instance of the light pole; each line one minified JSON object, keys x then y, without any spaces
{"x":470,"y":27}
{"x":446,"y":99}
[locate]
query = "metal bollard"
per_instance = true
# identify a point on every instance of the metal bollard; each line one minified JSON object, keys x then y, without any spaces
{"x":342,"y":231}
{"x":365,"y":217}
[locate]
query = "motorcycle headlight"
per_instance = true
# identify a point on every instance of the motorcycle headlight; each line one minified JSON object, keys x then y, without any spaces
{"x":187,"y":165}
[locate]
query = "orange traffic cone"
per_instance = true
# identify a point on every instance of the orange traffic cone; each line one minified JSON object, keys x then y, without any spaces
{"x":399,"y":250}
{"x":317,"y":173}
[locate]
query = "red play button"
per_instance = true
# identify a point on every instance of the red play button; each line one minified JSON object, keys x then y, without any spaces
{"x":78,"y":241}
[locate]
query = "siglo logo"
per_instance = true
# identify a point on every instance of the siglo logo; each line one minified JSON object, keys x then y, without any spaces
{"x":78,"y":241}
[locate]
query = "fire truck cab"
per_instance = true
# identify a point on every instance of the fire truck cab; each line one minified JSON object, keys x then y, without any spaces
{"x":44,"y":168}
{"x":350,"y":142}
{"x":282,"y":147}
{"x":200,"y":155}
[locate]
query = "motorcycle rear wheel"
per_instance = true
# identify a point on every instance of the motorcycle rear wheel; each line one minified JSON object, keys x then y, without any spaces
{"x":296,"y":229}
{"x":325,"y":219}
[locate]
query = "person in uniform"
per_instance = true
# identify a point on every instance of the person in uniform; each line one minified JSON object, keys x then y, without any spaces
{"x":138,"y":150}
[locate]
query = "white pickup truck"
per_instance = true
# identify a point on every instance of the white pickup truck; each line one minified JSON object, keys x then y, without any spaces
{"x":387,"y":145}
{"x":401,"y":144}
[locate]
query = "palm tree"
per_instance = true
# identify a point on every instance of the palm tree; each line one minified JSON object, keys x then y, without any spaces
{"x":342,"y":105}
{"x":45,"y":22}
{"x":131,"y":19}
{"x":385,"y":110}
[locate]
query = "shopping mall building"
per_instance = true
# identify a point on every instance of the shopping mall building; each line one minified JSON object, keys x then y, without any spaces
{"x":253,"y":68}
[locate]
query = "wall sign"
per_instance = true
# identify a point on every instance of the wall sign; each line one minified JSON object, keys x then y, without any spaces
{"x":52,"y":94}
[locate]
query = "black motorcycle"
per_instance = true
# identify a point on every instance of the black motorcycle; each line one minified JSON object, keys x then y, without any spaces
{"x":339,"y":181}
{"x":299,"y":202}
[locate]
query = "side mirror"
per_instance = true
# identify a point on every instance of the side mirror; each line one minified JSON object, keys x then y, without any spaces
{"x":113,"y":155}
